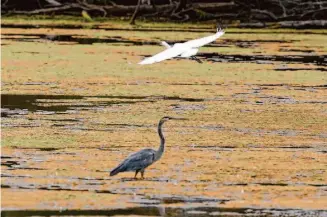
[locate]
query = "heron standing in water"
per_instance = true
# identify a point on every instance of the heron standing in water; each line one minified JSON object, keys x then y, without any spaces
{"x":140,"y":160}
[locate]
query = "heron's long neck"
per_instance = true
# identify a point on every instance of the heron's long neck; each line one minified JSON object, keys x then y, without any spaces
{"x":162,"y":142}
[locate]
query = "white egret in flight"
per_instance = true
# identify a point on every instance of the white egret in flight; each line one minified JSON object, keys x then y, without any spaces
{"x":185,"y":50}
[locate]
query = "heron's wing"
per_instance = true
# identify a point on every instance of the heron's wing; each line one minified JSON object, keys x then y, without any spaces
{"x":164,"y":55}
{"x":138,"y":160}
{"x":203,"y":41}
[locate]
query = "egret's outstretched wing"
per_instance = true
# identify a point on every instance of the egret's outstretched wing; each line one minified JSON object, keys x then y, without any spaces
{"x":164,"y":55}
{"x":163,"y":43}
{"x":206,"y":40}
{"x":180,"y":48}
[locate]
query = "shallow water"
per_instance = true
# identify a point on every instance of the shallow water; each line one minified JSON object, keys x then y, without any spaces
{"x":257,"y":144}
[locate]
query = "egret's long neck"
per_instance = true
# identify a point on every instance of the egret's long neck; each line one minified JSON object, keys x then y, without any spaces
{"x":162,"y":142}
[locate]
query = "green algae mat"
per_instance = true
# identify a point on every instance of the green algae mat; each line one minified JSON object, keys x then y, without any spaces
{"x":75,"y":103}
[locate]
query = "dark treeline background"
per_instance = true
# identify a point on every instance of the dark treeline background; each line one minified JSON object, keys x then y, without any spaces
{"x":253,"y":13}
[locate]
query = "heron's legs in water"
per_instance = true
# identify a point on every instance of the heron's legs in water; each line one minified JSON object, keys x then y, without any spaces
{"x":136,"y":172}
{"x":142,"y":174}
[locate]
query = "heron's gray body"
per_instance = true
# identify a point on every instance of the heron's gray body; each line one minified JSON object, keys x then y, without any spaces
{"x":136,"y":162}
{"x":140,"y":160}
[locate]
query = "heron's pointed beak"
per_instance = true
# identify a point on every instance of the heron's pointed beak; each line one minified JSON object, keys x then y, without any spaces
{"x":179,"y":118}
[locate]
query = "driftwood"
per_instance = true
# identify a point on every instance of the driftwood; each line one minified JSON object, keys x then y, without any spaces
{"x":132,"y":21}
{"x":304,"y":24}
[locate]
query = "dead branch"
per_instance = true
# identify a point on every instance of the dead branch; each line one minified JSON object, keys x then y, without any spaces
{"x":303,"y":24}
{"x":314,"y":12}
{"x":47,"y":10}
{"x":132,"y":21}
{"x":114,"y":8}
{"x":4,"y":3}
{"x":283,"y":8}
{"x":93,"y":7}
{"x":265,"y":12}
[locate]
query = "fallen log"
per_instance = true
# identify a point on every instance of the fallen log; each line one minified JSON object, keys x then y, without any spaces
{"x":303,"y":24}
{"x":123,"y":9}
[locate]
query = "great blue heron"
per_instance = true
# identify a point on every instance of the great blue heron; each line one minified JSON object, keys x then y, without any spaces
{"x":140,"y":160}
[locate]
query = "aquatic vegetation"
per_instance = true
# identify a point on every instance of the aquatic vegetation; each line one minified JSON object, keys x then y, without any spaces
{"x":75,"y":102}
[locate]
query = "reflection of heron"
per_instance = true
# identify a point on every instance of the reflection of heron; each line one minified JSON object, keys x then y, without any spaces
{"x":142,"y":159}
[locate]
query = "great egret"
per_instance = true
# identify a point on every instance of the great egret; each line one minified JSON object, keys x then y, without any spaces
{"x":185,"y":50}
{"x":140,"y":160}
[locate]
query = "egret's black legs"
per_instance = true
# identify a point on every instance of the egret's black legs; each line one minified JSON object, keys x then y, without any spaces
{"x":196,"y":59}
